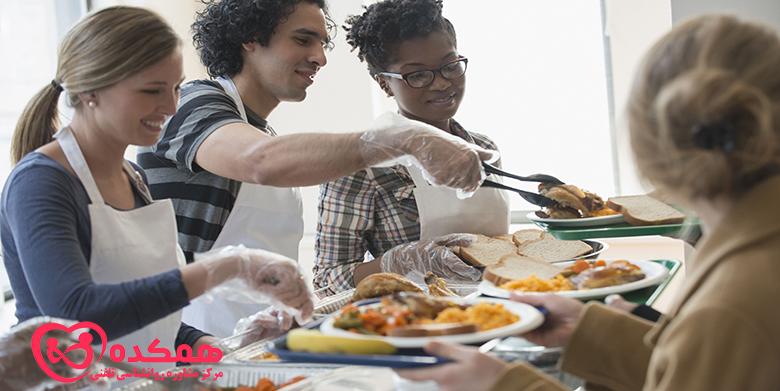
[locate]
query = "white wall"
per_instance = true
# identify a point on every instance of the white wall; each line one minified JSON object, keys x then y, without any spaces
{"x":631,"y":27}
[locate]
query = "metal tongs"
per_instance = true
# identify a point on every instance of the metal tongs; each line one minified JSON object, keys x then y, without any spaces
{"x":534,"y":198}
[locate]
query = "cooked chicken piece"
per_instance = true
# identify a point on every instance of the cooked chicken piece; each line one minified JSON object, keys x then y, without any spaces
{"x":573,"y":201}
{"x":616,"y":273}
{"x":437,"y":286}
{"x":424,"y":306}
{"x":383,"y":284}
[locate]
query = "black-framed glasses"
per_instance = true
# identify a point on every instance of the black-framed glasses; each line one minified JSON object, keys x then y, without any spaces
{"x":420,"y":79}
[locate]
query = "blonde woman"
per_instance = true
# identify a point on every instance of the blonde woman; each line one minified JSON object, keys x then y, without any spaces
{"x":704,"y":120}
{"x":82,"y":238}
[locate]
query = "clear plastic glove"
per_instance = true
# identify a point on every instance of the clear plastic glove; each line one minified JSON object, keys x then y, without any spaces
{"x":445,"y":160}
{"x":266,"y":324}
{"x":559,"y":324}
{"x":431,"y":255}
{"x":270,"y":277}
{"x":18,"y":368}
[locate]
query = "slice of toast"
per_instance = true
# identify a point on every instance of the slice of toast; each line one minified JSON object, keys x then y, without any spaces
{"x":554,"y":250}
{"x":486,"y":251}
{"x":526,"y":235}
{"x":516,"y":267}
{"x":645,"y":210}
{"x":506,"y":237}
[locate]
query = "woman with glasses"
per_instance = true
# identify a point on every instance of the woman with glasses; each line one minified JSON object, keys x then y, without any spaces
{"x":393,"y":213}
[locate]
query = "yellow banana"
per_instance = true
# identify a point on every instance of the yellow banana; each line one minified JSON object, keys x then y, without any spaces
{"x":314,"y":341}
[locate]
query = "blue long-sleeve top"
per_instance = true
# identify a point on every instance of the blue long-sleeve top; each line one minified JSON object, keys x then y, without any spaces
{"x":46,"y":240}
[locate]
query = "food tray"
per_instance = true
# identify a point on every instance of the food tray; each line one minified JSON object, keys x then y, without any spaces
{"x":649,"y":295}
{"x":615,"y":231}
{"x":246,"y":375}
{"x":403,"y":358}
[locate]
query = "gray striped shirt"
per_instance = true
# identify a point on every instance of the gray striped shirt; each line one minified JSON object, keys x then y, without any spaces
{"x":202,"y":201}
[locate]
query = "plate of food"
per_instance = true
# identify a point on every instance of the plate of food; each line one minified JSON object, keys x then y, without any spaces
{"x":575,"y":207}
{"x":408,"y":320}
{"x":581,"y":279}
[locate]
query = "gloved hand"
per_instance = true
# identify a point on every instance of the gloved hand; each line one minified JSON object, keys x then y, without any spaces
{"x":269,"y":323}
{"x":18,"y":368}
{"x":270,"y":277}
{"x":431,"y":255}
{"x":445,"y":160}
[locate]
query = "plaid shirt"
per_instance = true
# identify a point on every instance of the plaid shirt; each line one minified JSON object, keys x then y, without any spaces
{"x":371,"y":211}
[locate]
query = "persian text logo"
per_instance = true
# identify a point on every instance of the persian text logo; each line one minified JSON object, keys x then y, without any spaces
{"x":66,"y":354}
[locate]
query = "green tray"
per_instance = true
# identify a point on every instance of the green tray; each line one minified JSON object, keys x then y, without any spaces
{"x":649,"y":295}
{"x":611,"y":231}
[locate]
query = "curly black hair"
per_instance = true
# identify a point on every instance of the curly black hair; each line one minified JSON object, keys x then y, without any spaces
{"x":224,"y":25}
{"x":378,"y":32}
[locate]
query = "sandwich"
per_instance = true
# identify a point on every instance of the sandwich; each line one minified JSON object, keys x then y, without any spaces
{"x":382,"y":284}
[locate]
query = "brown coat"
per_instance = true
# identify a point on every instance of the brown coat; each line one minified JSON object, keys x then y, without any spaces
{"x":723,"y":333}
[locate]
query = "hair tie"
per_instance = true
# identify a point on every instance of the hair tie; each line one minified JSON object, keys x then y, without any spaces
{"x":56,"y":85}
{"x":715,"y":136}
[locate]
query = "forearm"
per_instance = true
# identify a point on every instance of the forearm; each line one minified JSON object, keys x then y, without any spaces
{"x":311,"y":158}
{"x":199,"y":276}
{"x":240,"y":152}
{"x":118,"y":308}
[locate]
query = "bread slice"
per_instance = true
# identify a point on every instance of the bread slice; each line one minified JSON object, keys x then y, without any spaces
{"x":515,"y":267}
{"x":554,"y":250}
{"x":526,"y":235}
{"x":486,"y":251}
{"x":506,"y":237}
{"x":645,"y":210}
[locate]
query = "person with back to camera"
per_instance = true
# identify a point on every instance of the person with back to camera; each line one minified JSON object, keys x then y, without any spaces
{"x":704,"y":122}
{"x":392,"y":212}
{"x":82,"y":238}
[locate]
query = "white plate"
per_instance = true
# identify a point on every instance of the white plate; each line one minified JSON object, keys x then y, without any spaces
{"x":654,"y":274}
{"x":583,"y":222}
{"x":530,"y":318}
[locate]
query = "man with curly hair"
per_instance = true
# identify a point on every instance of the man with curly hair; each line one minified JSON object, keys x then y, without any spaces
{"x":231,"y":179}
{"x":392,"y":213}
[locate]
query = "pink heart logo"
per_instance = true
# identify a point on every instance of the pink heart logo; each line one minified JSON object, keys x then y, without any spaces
{"x":53,"y":354}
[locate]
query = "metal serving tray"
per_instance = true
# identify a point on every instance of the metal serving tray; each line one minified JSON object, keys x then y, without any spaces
{"x":243,"y":375}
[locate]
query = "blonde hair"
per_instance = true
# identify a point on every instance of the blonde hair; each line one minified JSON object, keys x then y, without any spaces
{"x":99,"y":51}
{"x":712,"y":72}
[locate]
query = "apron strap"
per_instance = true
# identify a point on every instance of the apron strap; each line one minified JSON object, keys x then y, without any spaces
{"x":417,"y":176}
{"x":138,"y":182}
{"x":70,"y":147}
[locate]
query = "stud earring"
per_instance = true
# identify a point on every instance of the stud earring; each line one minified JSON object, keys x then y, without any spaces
{"x":91,"y":103}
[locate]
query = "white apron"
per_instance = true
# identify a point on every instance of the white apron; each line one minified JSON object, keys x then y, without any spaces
{"x":128,"y":245}
{"x":442,"y":213}
{"x":264,"y":217}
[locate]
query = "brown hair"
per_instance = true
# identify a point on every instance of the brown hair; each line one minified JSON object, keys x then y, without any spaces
{"x":704,"y":111}
{"x":99,"y":51}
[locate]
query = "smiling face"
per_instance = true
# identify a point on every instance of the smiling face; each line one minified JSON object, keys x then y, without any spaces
{"x":438,"y":102}
{"x":286,"y":67}
{"x":133,"y":111}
